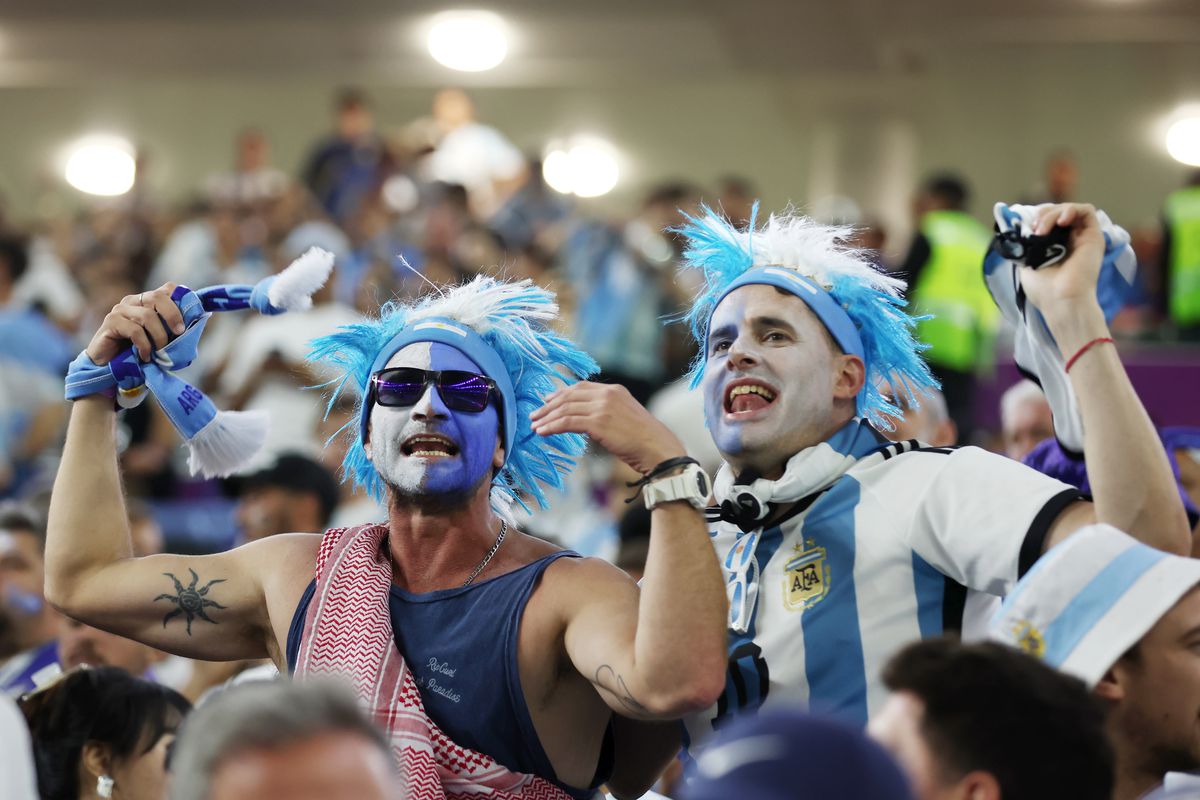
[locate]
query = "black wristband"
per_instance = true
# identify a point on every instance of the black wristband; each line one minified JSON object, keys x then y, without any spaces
{"x":665,"y":466}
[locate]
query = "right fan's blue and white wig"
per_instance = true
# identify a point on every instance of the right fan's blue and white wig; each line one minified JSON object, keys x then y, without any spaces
{"x":860,"y":306}
{"x":502,"y":327}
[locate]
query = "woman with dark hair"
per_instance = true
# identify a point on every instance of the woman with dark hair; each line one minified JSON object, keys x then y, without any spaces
{"x":103,"y":733}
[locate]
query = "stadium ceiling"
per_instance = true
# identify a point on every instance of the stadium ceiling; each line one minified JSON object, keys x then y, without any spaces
{"x":561,"y":43}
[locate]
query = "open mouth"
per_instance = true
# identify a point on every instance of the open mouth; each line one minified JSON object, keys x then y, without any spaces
{"x":748,"y":396}
{"x":429,"y":446}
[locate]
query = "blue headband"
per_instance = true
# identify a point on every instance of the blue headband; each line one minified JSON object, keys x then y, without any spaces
{"x":469,"y":343}
{"x":819,"y":301}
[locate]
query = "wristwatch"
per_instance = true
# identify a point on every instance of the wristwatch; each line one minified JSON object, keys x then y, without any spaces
{"x":691,"y":485}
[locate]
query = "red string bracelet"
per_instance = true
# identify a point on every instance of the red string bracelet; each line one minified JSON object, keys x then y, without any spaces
{"x":1101,"y":340}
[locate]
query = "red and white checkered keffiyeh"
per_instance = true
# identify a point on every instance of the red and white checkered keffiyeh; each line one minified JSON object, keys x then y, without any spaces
{"x":348,"y":633}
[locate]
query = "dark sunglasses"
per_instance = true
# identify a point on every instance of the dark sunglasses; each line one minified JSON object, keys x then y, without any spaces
{"x":459,"y":390}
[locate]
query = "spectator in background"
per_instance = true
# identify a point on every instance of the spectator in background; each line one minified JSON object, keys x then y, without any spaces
{"x":103,"y":733}
{"x":265,"y":369}
{"x":293,"y":495}
{"x":736,"y":196}
{"x":472,"y":154}
{"x":787,"y":753}
{"x":945,"y":279}
{"x":28,"y":624}
{"x":1025,"y":419}
{"x":531,"y":212}
{"x":34,"y":353}
{"x":1180,"y":259}
{"x":985,"y":722}
{"x":1060,"y":177}
{"x":209,"y":249}
{"x":1125,"y":619}
{"x":927,"y":420}
{"x":293,"y":740}
{"x":80,"y":644}
{"x":354,"y":506}
{"x":621,"y":278}
{"x":252,"y":181}
{"x":344,"y":166}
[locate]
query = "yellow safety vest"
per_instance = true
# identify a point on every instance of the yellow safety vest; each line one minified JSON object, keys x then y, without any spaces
{"x":951,"y":288}
{"x":1183,"y":266}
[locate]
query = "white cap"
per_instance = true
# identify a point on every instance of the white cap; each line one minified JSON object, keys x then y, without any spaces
{"x":1090,"y":599}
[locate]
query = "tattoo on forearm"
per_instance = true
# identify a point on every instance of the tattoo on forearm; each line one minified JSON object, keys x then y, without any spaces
{"x":610,"y":681}
{"x":189,"y":600}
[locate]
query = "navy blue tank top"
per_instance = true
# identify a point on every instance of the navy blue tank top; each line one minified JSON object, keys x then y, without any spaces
{"x":461,"y":646}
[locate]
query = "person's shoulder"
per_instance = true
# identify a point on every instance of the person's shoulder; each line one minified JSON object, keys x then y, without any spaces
{"x":574,"y":573}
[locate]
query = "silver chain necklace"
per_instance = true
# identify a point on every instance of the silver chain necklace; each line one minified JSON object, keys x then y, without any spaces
{"x":475,"y":572}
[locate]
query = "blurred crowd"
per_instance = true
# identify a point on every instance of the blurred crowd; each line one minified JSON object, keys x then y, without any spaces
{"x":405,"y":212}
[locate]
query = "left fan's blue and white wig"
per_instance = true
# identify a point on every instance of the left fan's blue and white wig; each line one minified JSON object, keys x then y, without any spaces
{"x":500,"y":325}
{"x":861,"y":306}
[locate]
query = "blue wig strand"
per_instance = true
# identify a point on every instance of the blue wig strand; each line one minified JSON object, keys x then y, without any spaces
{"x":512,"y":318}
{"x":872,"y":299}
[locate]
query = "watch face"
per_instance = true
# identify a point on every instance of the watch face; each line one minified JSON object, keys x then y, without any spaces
{"x":702,"y":483}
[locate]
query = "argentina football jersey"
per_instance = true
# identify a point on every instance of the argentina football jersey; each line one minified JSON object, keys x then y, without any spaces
{"x":883,"y":554}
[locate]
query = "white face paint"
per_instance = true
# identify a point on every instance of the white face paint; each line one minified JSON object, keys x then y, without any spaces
{"x":768,"y":378}
{"x":462,"y":449}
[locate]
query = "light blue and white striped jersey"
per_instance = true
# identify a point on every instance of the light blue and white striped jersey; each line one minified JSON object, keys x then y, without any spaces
{"x":882,"y":556}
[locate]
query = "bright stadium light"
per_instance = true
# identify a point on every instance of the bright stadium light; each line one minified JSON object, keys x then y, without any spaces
{"x":468,"y":41}
{"x":585,"y":168}
{"x":101,"y":165}
{"x":1183,"y":140}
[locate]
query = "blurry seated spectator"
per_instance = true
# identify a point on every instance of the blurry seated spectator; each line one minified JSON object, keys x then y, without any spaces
{"x":1125,"y":619}
{"x":681,"y":409}
{"x":28,"y":624}
{"x":144,"y":531}
{"x":620,"y":277}
{"x":265,"y":369}
{"x":207,"y":250}
{"x":345,"y":165}
{"x":927,"y":421}
{"x":33,"y":357}
{"x":253,"y":180}
{"x":354,"y":506}
{"x":1060,"y":177}
{"x":270,"y":741}
{"x":634,"y":534}
{"x":294,"y":495}
{"x":472,"y":154}
{"x":18,"y":777}
{"x":735,"y":198}
{"x":103,"y":733}
{"x":787,"y":753}
{"x":47,"y":283}
{"x":1051,"y":458}
{"x":530,"y":211}
{"x":986,"y":722}
{"x":80,"y":644}
{"x":1025,"y":418}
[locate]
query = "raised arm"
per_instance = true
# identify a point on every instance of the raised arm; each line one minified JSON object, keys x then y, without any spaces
{"x":209,"y":607}
{"x":660,"y":653}
{"x":1132,"y":483}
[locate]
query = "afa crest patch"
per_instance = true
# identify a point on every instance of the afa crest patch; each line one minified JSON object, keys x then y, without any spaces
{"x":1029,"y":638}
{"x":805,"y":577}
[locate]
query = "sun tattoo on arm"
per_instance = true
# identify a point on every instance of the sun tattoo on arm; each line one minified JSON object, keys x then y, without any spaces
{"x":189,"y":600}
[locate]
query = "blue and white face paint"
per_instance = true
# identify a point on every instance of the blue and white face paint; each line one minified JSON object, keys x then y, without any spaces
{"x":768,"y":378}
{"x":427,"y":448}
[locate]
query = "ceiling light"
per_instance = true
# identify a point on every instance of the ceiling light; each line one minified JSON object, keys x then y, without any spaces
{"x":586,"y":168}
{"x":102,"y":165}
{"x":468,"y":41}
{"x":1183,"y":141}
